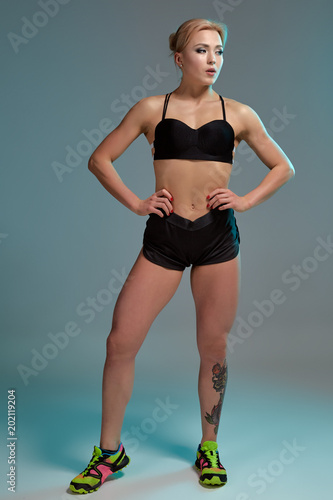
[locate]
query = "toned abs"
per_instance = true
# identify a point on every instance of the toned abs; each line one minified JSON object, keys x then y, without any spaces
{"x":189,"y":182}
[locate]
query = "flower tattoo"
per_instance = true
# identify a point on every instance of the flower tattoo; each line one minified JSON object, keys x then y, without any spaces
{"x":220,"y":376}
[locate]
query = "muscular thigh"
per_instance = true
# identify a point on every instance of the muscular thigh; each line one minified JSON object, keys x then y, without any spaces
{"x":215,"y":290}
{"x":147,"y":289}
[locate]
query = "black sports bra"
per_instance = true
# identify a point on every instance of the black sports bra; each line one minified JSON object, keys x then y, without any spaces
{"x":213,"y":141}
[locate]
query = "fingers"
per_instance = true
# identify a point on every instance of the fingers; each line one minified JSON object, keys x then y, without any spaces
{"x":162,"y":199}
{"x":164,"y":192}
{"x":166,"y":205}
{"x":220,"y":198}
{"x":219,"y":191}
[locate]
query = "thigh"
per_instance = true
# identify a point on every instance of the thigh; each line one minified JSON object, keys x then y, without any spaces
{"x":147,"y":289}
{"x":215,"y":289}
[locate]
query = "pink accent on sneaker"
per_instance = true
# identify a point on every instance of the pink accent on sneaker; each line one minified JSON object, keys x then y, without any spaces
{"x":104,"y":470}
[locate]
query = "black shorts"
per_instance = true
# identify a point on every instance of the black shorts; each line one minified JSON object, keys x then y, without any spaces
{"x":174,"y":242}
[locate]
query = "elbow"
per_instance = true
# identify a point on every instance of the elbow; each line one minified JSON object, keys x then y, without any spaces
{"x":92,"y":164}
{"x":291,"y":171}
{"x":288,"y":171}
{"x":96,"y":164}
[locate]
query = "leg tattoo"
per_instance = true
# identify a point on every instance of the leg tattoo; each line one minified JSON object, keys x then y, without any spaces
{"x":220,"y":376}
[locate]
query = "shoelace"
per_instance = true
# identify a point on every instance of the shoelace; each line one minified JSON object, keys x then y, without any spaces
{"x":212,"y":457}
{"x":90,"y":465}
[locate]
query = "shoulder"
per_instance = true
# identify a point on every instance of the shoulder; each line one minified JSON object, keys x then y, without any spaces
{"x":149,"y":105}
{"x":145,"y":111}
{"x":239,"y":108}
{"x":246,"y":117}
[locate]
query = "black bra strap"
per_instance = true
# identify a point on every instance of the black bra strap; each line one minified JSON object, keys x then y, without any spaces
{"x":223,"y":108}
{"x":166,"y":102}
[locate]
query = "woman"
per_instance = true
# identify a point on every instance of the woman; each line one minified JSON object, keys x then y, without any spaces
{"x":194,"y":133}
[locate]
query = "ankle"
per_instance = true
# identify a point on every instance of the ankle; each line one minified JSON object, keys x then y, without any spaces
{"x":109,"y":445}
{"x":207,"y":439}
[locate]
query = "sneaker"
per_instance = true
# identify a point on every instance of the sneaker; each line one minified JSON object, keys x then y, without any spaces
{"x":208,"y":463}
{"x":99,"y":468}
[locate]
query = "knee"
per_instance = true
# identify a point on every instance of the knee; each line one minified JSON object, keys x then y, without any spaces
{"x":118,"y":347}
{"x":213,"y":348}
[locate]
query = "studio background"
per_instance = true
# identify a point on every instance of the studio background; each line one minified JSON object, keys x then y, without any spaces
{"x":64,"y":241}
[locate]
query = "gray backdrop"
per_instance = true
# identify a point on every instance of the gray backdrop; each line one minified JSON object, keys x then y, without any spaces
{"x":70,"y":70}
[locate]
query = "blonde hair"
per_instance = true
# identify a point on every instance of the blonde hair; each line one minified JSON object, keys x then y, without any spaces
{"x":179,"y":40}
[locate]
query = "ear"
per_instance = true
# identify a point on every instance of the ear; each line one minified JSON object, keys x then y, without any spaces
{"x":178,"y":58}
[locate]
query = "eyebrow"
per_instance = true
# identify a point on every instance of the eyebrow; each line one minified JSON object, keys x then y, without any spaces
{"x":205,"y":45}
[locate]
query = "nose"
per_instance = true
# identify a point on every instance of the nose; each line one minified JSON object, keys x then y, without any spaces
{"x":212,"y":58}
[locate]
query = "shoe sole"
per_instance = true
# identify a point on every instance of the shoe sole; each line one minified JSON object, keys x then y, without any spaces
{"x":82,"y":491}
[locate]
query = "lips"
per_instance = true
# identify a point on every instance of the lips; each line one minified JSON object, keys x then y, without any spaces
{"x":211,"y":72}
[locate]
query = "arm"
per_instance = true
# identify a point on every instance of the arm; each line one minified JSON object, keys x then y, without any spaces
{"x":281,"y":170}
{"x":100,"y":163}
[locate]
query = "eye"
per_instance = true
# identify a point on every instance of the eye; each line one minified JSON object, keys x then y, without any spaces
{"x":220,"y":52}
{"x":200,"y":51}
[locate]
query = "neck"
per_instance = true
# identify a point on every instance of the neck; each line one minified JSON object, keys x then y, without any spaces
{"x":192,"y":91}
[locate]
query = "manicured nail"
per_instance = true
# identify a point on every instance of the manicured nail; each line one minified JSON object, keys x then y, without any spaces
{"x":171,"y":211}
{"x":207,"y":197}
{"x":171,"y":199}
{"x":207,"y":205}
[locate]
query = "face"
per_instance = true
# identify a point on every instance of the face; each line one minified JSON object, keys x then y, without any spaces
{"x":202,"y":58}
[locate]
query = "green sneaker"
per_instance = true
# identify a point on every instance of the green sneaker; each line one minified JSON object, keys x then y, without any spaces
{"x":208,"y":463}
{"x":99,"y":468}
